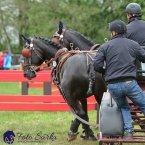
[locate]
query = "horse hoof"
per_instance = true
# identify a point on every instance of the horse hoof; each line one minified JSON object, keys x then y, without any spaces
{"x":72,"y":136}
{"x":89,"y":135}
{"x":93,"y":138}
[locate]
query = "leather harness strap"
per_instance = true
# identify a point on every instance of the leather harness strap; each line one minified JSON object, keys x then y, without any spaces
{"x":69,"y":53}
{"x":41,"y":67}
{"x":94,"y":47}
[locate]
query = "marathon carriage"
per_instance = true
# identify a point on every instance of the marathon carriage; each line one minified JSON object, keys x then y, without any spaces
{"x":111,"y":121}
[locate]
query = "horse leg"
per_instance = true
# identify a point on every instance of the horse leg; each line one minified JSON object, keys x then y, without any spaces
{"x":89,"y":134}
{"x":72,"y":134}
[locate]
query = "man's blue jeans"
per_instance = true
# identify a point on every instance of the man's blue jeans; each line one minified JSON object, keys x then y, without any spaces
{"x":119,"y":92}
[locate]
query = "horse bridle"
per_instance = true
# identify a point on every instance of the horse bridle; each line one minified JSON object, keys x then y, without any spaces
{"x":29,"y":48}
{"x":58,"y":38}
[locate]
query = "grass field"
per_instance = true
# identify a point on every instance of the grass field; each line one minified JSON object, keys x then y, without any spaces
{"x":39,"y":125}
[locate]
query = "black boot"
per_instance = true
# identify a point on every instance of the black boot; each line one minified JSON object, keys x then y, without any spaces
{"x":128,"y":135}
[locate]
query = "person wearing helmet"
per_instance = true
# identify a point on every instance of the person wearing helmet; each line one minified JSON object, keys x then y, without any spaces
{"x":136,"y":27}
{"x":119,"y":55}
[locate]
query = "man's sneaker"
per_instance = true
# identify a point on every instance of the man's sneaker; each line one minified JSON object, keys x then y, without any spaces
{"x":128,"y":135}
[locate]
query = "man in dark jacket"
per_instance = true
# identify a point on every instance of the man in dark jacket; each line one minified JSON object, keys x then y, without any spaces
{"x":119,"y":55}
{"x":136,"y":31}
{"x":136,"y":27}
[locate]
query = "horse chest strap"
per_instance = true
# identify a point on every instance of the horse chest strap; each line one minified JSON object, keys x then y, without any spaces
{"x":65,"y":58}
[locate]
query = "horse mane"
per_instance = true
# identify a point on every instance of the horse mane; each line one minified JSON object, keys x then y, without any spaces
{"x":48,"y":41}
{"x":81,"y":35}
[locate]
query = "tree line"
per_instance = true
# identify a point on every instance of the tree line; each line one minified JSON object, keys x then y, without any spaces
{"x":41,"y":18}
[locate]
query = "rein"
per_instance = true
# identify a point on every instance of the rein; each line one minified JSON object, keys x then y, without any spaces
{"x":41,"y":67}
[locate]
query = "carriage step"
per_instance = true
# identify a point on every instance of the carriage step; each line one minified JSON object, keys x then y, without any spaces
{"x":138,"y":116}
{"x":139,"y":130}
{"x":137,"y":111}
{"x":134,"y":140}
{"x":138,"y":123}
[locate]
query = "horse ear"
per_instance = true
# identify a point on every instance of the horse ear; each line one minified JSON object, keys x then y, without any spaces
{"x":28,"y":40}
{"x":34,"y":36}
{"x":61,"y":26}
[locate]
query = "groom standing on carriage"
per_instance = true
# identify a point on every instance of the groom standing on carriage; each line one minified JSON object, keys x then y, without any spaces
{"x":120,"y":55}
{"x":136,"y":27}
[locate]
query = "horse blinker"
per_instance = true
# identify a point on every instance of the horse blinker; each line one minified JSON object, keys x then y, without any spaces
{"x":26,"y":52}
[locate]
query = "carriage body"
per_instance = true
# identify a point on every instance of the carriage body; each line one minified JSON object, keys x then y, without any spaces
{"x":115,"y":137}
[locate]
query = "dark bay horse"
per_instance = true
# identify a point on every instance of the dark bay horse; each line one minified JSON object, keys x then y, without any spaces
{"x":73,"y":78}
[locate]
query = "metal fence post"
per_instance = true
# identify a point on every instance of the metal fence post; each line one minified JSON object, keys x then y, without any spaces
{"x":24,"y":88}
{"x":47,"y":90}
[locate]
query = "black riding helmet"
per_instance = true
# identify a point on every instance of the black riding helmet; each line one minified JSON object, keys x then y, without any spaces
{"x":118,"y":26}
{"x":134,"y":9}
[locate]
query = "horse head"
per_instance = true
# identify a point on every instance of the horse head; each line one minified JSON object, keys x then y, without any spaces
{"x":58,"y":37}
{"x":37,"y":51}
{"x":72,"y":39}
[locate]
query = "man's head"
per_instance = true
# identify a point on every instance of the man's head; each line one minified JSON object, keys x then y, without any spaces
{"x":6,"y":51}
{"x":133,"y":10}
{"x":117,"y":27}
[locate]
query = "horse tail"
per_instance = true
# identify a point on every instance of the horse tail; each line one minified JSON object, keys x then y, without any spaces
{"x":91,"y":73}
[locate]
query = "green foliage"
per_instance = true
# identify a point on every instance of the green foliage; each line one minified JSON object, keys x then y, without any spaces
{"x":41,"y":18}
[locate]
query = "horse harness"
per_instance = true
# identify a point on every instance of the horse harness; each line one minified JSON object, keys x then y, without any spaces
{"x":65,"y":55}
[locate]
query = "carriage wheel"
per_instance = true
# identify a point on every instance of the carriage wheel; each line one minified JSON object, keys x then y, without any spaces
{"x":107,"y":143}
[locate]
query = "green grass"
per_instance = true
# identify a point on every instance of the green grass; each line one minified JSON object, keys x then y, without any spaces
{"x":48,"y":122}
{"x":32,"y":122}
{"x":15,"y":88}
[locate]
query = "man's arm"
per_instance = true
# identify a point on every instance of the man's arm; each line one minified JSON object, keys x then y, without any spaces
{"x":99,"y":61}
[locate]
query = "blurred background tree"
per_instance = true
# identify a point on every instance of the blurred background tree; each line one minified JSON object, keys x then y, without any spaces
{"x":41,"y":18}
